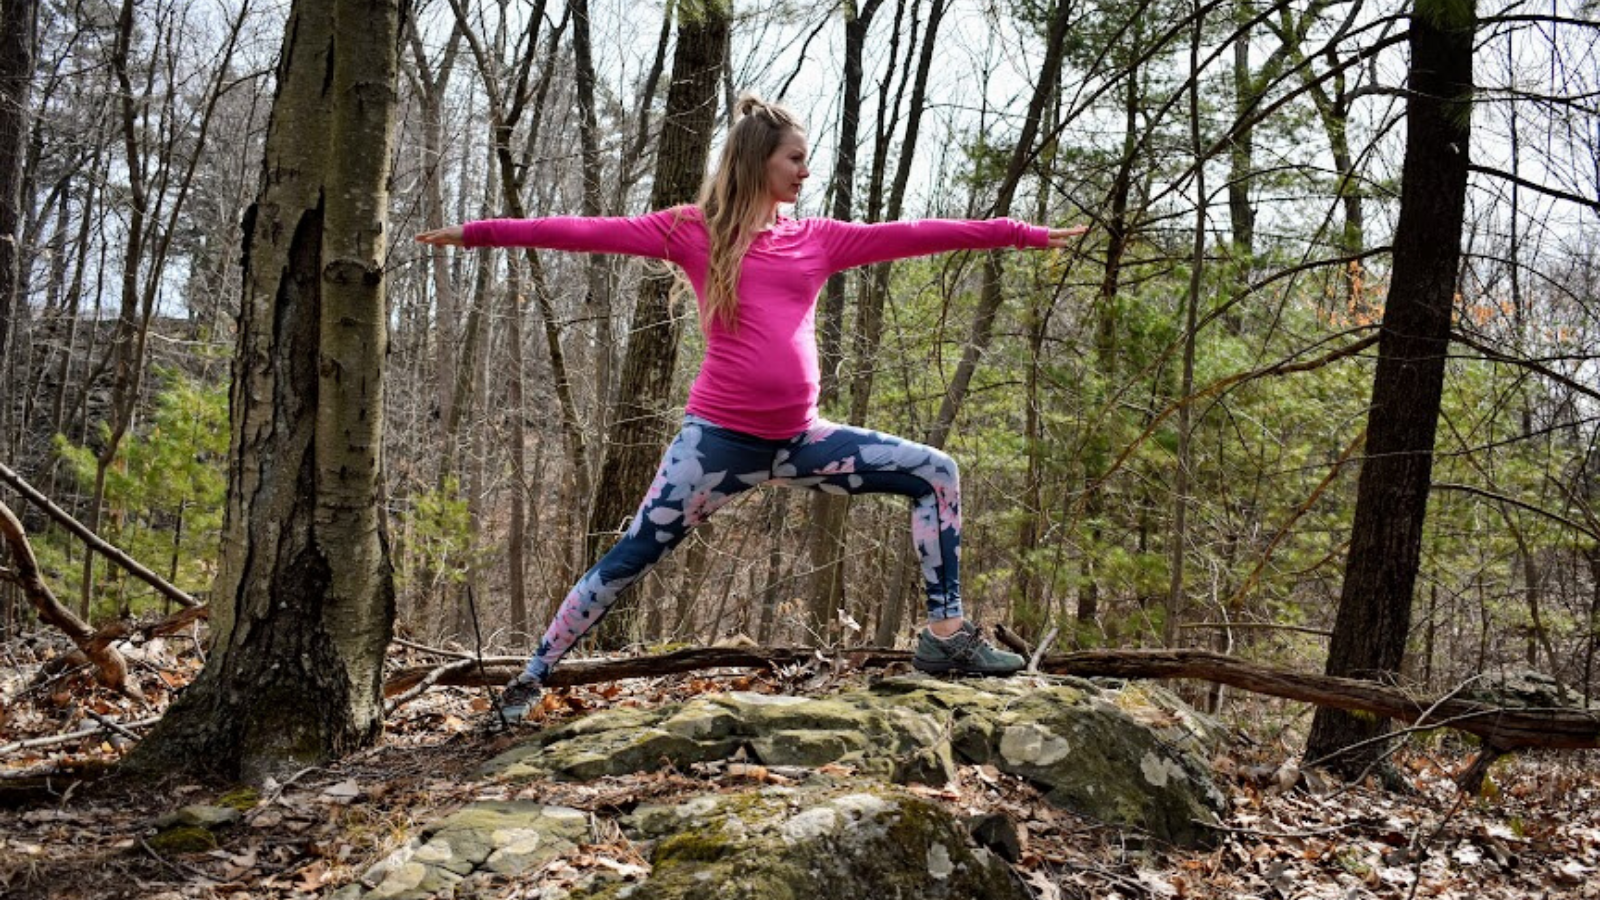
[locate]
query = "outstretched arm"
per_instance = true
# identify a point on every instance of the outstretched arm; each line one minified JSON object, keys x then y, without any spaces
{"x":658,"y":235}
{"x":851,"y":244}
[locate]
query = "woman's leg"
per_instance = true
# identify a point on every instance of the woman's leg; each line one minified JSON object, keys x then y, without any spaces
{"x":849,"y":460}
{"x":703,"y":468}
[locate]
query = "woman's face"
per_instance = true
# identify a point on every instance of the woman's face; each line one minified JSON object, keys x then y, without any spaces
{"x":786,"y":168}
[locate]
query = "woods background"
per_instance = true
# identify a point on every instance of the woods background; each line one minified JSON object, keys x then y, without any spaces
{"x":1159,"y":431}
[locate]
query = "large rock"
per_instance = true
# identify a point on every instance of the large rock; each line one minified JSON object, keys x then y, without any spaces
{"x":1523,"y":688}
{"x":502,"y":838}
{"x":819,"y":841}
{"x":1131,"y":755}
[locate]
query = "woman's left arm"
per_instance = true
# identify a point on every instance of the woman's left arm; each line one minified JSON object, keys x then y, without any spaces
{"x":851,"y":244}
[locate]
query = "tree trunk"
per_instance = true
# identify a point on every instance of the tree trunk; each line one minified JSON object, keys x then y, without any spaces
{"x":826,"y":537}
{"x":18,"y":25}
{"x":504,"y":112}
{"x":1241,"y":153}
{"x":597,"y":296}
{"x":304,"y":601}
{"x":517,"y":529}
{"x":1374,"y":617}
{"x":869,"y":306}
{"x":1027,"y":611}
{"x":431,"y":88}
{"x":1021,"y":156}
{"x":641,"y":425}
{"x":1180,"y":495}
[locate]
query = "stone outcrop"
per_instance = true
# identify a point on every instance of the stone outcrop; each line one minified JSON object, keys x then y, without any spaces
{"x":484,"y":839}
{"x":1132,"y":756}
{"x":1127,"y":755}
{"x":784,"y":843}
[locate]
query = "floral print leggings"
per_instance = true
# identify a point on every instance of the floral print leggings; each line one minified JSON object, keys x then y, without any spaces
{"x":707,"y":465}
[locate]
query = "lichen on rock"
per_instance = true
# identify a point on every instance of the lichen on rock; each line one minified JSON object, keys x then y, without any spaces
{"x":808,"y":842}
{"x":1131,"y":755}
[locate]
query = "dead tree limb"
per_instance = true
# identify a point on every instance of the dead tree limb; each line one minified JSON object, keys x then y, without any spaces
{"x":113,"y":668}
{"x":1506,"y":728}
{"x":172,"y":624}
{"x":94,"y":541}
{"x":90,"y":731}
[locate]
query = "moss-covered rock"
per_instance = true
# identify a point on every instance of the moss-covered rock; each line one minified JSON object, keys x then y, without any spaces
{"x":1130,"y":755}
{"x":184,"y":839}
{"x":200,"y":815}
{"x":242,"y":799}
{"x":505,"y":838}
{"x":1096,"y":759}
{"x":822,"y":841}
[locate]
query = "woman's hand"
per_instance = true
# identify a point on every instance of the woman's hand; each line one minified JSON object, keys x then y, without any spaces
{"x":1060,"y":237}
{"x":448,"y":236}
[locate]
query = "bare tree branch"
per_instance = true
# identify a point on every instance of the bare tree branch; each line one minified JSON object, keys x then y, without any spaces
{"x":1534,"y":186}
{"x":94,"y":541}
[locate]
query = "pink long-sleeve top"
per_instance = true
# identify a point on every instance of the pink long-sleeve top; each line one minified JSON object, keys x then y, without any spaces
{"x":761,"y":378}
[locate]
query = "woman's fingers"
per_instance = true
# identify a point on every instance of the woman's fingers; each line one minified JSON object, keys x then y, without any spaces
{"x":449,"y":236}
{"x":1059,"y":237}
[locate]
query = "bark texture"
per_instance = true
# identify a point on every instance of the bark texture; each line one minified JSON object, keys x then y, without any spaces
{"x":18,"y":24}
{"x":1374,"y":617}
{"x":304,"y":601}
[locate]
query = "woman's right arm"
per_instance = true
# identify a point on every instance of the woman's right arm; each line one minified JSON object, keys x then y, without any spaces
{"x":657,"y":235}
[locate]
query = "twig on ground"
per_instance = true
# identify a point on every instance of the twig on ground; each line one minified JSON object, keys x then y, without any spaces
{"x":183,"y":869}
{"x":54,"y":739}
{"x":110,"y":724}
{"x":428,"y":681}
{"x":436,"y":651}
{"x":1256,"y":832}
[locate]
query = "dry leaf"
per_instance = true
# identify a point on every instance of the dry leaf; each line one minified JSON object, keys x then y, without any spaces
{"x":1571,"y":872}
{"x":1043,"y":887}
{"x":343,"y":792}
{"x":313,"y":877}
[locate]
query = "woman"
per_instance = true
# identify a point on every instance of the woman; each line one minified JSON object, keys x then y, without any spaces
{"x":752,"y":413}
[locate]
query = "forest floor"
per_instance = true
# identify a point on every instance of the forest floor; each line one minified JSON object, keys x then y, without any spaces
{"x":1535,"y":832}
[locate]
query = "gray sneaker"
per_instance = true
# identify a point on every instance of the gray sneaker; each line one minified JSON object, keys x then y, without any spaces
{"x":967,"y":652}
{"x":518,"y":696}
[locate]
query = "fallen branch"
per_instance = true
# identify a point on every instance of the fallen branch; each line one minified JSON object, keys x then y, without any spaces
{"x":172,"y":624}
{"x":1507,"y":728}
{"x":1242,"y":626}
{"x":497,"y":670}
{"x":427,"y":681}
{"x":54,"y":739}
{"x":113,"y":668}
{"x":94,"y":541}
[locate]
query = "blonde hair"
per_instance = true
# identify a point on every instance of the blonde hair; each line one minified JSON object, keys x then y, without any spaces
{"x":734,"y":200}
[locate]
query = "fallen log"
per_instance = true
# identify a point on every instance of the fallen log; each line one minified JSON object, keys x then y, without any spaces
{"x":1505,"y":728}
